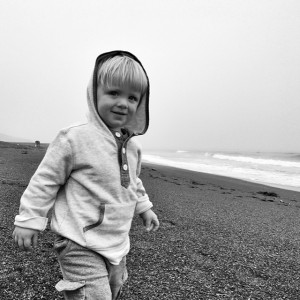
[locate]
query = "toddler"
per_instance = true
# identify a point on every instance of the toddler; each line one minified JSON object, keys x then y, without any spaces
{"x":90,"y":176}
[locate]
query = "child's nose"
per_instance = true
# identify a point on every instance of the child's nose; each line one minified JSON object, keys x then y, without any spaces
{"x":123,"y":102}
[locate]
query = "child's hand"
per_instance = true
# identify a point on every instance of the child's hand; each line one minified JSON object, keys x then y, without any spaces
{"x":25,"y":238}
{"x":150,"y":220}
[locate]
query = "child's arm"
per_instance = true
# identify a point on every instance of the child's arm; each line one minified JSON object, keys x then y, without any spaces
{"x":41,"y":192}
{"x":144,"y":205}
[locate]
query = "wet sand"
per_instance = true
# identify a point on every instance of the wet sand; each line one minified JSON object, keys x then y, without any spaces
{"x":220,"y":238}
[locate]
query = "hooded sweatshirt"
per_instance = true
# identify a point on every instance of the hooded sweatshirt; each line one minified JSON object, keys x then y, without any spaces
{"x":82,"y":177}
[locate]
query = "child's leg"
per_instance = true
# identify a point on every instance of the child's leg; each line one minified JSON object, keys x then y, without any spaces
{"x":84,"y":272}
{"x":117,"y":275}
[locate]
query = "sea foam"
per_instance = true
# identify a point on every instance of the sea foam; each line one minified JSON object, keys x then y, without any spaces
{"x":261,"y":161}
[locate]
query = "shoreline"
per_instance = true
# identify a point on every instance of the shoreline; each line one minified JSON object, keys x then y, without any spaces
{"x":222,"y":179}
{"x":278,"y":170}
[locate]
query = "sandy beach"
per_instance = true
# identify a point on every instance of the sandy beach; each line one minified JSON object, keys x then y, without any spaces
{"x":220,"y":238}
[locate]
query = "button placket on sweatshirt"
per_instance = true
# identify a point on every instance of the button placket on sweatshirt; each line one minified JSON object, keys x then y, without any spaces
{"x":124,"y":168}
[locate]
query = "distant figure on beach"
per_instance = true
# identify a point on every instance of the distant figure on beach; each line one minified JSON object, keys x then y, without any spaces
{"x":89,"y":176}
{"x":37,"y":144}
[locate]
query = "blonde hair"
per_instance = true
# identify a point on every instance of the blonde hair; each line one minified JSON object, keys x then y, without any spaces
{"x":123,"y":70}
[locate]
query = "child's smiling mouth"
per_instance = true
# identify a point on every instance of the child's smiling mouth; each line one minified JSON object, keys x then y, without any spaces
{"x":119,"y":113}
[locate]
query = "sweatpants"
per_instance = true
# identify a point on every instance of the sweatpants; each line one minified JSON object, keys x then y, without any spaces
{"x":86,"y":274}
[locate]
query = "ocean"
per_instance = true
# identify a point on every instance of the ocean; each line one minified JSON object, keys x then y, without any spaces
{"x":280,"y":170}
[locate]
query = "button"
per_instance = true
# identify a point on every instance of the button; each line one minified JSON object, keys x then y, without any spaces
{"x":125,"y":167}
{"x":123,"y":150}
{"x":118,"y":134}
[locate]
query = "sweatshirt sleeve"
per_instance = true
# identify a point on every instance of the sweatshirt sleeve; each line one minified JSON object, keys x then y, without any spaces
{"x":144,"y":202}
{"x":41,"y":192}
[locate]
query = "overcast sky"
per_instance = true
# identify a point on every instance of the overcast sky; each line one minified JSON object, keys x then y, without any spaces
{"x":224,"y":74}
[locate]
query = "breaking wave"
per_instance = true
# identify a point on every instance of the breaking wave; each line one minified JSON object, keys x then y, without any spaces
{"x":261,"y":161}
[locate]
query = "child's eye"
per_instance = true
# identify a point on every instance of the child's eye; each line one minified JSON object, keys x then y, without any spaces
{"x":113,"y":93}
{"x":133,"y":98}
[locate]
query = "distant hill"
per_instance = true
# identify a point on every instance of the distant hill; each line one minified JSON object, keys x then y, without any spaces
{"x":8,"y":138}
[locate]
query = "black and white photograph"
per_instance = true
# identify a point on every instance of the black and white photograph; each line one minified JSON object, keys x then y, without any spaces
{"x":150,"y":150}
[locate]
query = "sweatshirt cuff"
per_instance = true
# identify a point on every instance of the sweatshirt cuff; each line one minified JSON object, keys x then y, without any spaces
{"x":143,"y":205}
{"x":37,"y":223}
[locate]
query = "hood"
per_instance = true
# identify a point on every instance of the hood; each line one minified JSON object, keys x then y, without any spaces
{"x":140,"y":121}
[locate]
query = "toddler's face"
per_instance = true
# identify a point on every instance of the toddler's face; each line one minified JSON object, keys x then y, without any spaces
{"x":117,"y":105}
